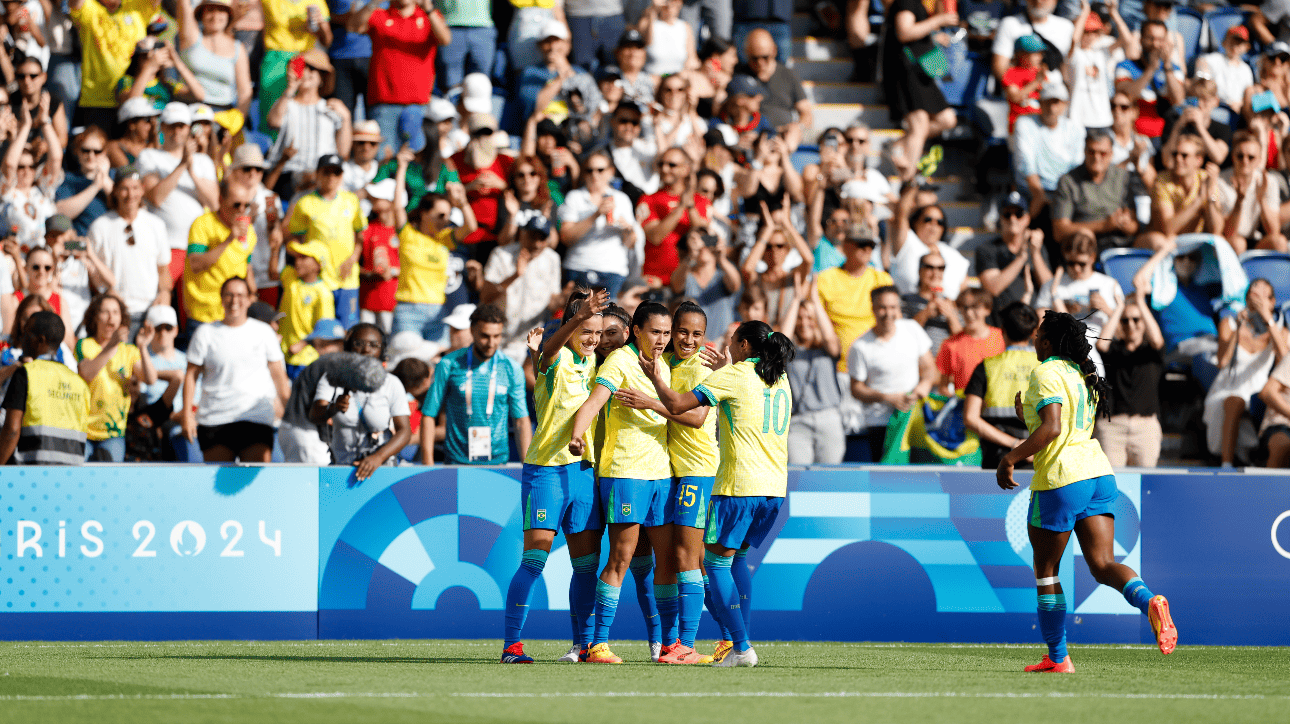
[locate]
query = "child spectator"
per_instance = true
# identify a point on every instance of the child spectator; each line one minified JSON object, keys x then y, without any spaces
{"x":305,"y":301}
{"x":1089,"y":66}
{"x":415,"y":376}
{"x":379,"y":274}
{"x":670,"y":40}
{"x":1023,"y":80}
{"x":1228,"y":67}
{"x":961,"y":353}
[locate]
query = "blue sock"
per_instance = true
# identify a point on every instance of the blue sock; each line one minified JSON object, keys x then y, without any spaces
{"x":1137,"y":594}
{"x":668,"y":603}
{"x":743,"y":582}
{"x":712,"y":608}
{"x":690,"y":584}
{"x":726,"y":596}
{"x":1052,"y":623}
{"x":517,"y":596}
{"x":642,"y":568}
{"x":606,"y":609}
{"x":582,"y":598}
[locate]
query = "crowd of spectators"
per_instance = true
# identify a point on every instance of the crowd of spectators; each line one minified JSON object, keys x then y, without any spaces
{"x":214,"y":197}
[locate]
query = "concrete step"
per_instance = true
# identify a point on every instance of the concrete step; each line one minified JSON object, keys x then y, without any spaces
{"x":823,"y":71}
{"x":828,"y":92}
{"x":842,"y":115}
{"x":810,"y":47}
{"x":963,"y":213}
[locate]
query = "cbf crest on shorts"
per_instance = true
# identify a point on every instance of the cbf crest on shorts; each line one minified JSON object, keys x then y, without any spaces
{"x":541,"y":515}
{"x":627,"y":508}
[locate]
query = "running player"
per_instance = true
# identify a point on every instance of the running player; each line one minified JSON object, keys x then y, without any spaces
{"x":1073,"y":487}
{"x":635,"y":474}
{"x":557,"y":486}
{"x":752,"y":477}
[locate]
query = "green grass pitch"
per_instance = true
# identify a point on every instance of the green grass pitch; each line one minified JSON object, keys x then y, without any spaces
{"x":461,"y":681}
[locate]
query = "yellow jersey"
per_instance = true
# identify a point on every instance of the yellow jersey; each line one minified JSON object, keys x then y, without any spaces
{"x":559,"y":392}
{"x":846,"y":299}
{"x":201,"y":290}
{"x":754,"y":430}
{"x":423,"y":265}
{"x":334,"y":223}
{"x":693,"y":450}
{"x":1074,"y":455}
{"x":304,"y":303}
{"x":635,"y":440}
{"x":110,"y":388}
{"x":286,"y":24}
{"x":108,"y":40}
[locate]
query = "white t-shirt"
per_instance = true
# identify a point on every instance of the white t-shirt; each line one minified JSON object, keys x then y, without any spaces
{"x":260,"y":254}
{"x":1056,"y":30}
{"x":181,"y":208}
{"x":904,"y":267}
{"x":134,"y":265}
{"x":1091,"y":71}
{"x":355,"y":179}
{"x":601,"y":248}
{"x":365,"y":426}
{"x":1231,"y":79}
{"x":528,"y":298}
{"x":1076,"y":293}
{"x":236,"y":384}
{"x":635,"y":163}
{"x":887,"y":365}
{"x":74,"y":280}
{"x":25,"y":215}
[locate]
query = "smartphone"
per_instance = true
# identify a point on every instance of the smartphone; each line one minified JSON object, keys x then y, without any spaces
{"x":830,"y":141}
{"x":157,"y":27}
{"x":709,"y":240}
{"x":297,"y":66}
{"x":1192,"y":102}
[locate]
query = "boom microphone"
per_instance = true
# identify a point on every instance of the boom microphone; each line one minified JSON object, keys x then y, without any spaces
{"x":350,"y":371}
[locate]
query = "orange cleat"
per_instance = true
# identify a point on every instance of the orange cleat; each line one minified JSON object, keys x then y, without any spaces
{"x":1047,"y":666}
{"x":681,"y":654}
{"x":1163,"y":624}
{"x":600,"y":654}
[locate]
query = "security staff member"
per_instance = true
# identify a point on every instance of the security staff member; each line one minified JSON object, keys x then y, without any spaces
{"x":988,"y":399}
{"x":47,"y":407}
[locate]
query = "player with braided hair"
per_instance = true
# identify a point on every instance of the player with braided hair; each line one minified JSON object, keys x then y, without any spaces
{"x":1073,"y":488}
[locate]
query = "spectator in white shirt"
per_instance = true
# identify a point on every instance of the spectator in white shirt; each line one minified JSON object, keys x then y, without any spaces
{"x":632,"y":154}
{"x":1089,"y":68}
{"x":598,"y":227}
{"x":179,"y":183}
{"x":523,"y":278}
{"x":1037,"y":20}
{"x":361,"y":168}
{"x":133,"y":244}
{"x":1228,"y":68}
{"x":1047,"y":146}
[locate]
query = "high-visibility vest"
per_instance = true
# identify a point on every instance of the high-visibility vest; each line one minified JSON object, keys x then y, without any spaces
{"x":1006,"y":374}
{"x":57,"y":416}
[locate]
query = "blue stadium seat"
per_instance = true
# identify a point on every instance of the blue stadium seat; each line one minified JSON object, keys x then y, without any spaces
{"x":1122,"y":264}
{"x":259,"y":139}
{"x":1271,"y":265}
{"x":1190,"y":23}
{"x":1219,"y":21}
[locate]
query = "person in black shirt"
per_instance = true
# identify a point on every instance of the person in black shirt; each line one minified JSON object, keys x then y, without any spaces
{"x":1194,"y":118}
{"x":1004,"y":262}
{"x":1134,"y":365}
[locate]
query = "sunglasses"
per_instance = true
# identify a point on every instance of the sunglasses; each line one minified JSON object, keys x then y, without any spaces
{"x":668,"y":164}
{"x":1078,"y":264}
{"x":1013,"y":213}
{"x":26,"y":167}
{"x":674,"y":89}
{"x":932,"y":267}
{"x":932,"y":220}
{"x":42,"y":267}
{"x":29,"y":76}
{"x":858,"y":141}
{"x":367,"y":143}
{"x":129,"y":235}
{"x":95,"y":151}
{"x":239,"y":206}
{"x":1131,"y":320}
{"x":777,"y":246}
{"x":628,"y":121}
{"x":595,"y":169}
{"x":760,"y":58}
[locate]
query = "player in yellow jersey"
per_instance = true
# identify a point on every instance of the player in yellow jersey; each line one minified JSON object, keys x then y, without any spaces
{"x":754,"y":405}
{"x":1073,"y":487}
{"x":635,"y":471}
{"x":557,"y":486}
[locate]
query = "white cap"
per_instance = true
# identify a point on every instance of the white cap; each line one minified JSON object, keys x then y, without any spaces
{"x":405,"y":345}
{"x":477,"y":93}
{"x":158,"y":315}
{"x":441,"y":109}
{"x":554,"y":29}
{"x":460,"y":317}
{"x":177,"y":113}
{"x":1054,"y":90}
{"x":139,"y":107}
{"x":202,"y":112}
{"x":383,"y":190}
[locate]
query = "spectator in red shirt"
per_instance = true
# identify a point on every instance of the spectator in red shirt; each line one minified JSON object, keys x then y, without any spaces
{"x":1022,"y":81}
{"x":379,"y":273}
{"x":962,"y":352}
{"x":483,"y":170}
{"x":668,"y":214}
{"x":404,"y":41}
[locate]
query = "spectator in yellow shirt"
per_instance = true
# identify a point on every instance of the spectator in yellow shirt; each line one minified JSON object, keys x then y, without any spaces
{"x":306,"y":300}
{"x":333,"y":216}
{"x":111,"y":366}
{"x":423,"y":263}
{"x":109,"y":30}
{"x":219,"y":248}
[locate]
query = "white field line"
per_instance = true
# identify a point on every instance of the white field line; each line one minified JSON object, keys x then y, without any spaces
{"x":636,"y":694}
{"x":495,"y":644}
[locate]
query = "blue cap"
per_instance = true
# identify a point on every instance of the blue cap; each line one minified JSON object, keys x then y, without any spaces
{"x":410,"y":128}
{"x":745,"y":85}
{"x":326,"y":329}
{"x":538,"y":223}
{"x":1014,"y":200}
{"x":1029,"y":44}
{"x":1265,"y":101}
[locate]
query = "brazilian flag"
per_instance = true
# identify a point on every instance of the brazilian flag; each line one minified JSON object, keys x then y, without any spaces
{"x":931,"y":432}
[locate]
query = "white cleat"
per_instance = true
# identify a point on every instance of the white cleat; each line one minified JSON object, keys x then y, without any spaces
{"x":739,"y":658}
{"x":655,"y":650}
{"x":572,"y":656}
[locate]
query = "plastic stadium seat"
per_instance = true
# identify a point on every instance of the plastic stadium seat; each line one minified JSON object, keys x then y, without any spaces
{"x":259,"y":139}
{"x":1190,"y":23}
{"x":1219,"y":21}
{"x":1271,"y":265}
{"x":1122,"y":264}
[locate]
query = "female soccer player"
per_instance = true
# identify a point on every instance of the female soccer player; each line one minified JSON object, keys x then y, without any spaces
{"x":557,"y":486}
{"x":693,"y":452}
{"x":752,"y":477}
{"x":635,"y":473}
{"x":1073,"y":487}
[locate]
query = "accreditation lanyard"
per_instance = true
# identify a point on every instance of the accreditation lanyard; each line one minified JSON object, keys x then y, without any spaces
{"x":470,"y":382}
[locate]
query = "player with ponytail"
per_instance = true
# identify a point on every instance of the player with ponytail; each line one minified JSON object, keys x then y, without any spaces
{"x":1073,"y":488}
{"x":752,"y":476}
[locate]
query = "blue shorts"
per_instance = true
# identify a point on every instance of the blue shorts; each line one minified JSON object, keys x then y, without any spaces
{"x":737,"y":522}
{"x":346,"y":307}
{"x":629,"y":500}
{"x":688,"y":503}
{"x":560,"y":497}
{"x":1059,"y":509}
